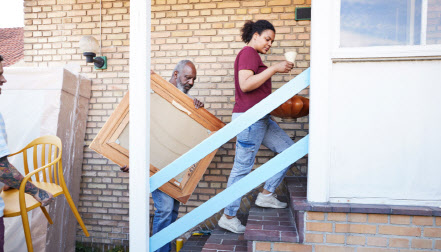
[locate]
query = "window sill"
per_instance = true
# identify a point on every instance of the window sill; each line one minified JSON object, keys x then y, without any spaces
{"x":387,"y":53}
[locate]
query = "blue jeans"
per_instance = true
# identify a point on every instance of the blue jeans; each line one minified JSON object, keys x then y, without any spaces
{"x":266,"y":132}
{"x":166,"y":213}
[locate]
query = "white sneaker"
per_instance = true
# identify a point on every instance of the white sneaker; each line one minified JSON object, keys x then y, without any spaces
{"x":232,"y":225}
{"x":269,"y":201}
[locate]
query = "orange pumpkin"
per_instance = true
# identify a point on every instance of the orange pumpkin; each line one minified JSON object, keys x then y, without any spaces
{"x":295,"y":107}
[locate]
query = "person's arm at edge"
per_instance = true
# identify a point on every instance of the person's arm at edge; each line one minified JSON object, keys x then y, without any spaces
{"x":11,"y":177}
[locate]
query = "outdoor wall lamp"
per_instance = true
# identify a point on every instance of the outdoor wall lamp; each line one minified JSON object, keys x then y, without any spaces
{"x":89,"y":46}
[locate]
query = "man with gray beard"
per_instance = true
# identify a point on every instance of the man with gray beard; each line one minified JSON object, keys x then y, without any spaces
{"x":183,"y":77}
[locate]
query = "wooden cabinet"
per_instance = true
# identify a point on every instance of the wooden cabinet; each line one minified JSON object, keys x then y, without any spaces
{"x":175,"y":127}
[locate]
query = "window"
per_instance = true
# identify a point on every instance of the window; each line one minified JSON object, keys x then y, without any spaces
{"x":434,"y":22}
{"x":392,"y":22}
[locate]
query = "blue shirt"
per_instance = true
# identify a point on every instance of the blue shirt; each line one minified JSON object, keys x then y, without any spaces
{"x":4,"y":151}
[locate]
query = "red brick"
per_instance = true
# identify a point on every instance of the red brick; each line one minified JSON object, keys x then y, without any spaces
{"x":378,"y":218}
{"x":432,"y":232}
{"x":398,"y":243}
{"x":421,"y":243}
{"x":403,"y":231}
{"x":332,"y":238}
{"x":263,"y":246}
{"x":319,"y":226}
{"x":376,"y":250}
{"x":423,"y":220}
{"x":228,"y":5}
{"x":399,"y":219}
{"x":355,"y":228}
{"x":253,"y":3}
{"x":315,"y":216}
{"x":377,"y":241}
{"x":323,"y":248}
{"x":279,"y":2}
{"x":337,"y":216}
{"x":356,"y":240}
{"x":438,"y":244}
{"x":292,"y":247}
{"x":356,"y":217}
{"x":313,"y":238}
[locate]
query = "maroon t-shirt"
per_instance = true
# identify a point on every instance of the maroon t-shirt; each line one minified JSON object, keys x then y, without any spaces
{"x":249,"y":59}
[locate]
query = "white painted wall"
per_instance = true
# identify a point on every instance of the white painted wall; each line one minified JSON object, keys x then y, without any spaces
{"x":375,"y":123}
{"x":385,"y":132}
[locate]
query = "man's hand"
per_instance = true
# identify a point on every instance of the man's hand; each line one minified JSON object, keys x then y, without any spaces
{"x":197,"y":103}
{"x":124,"y":168}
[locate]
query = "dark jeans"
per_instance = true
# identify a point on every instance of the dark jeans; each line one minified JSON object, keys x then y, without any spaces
{"x":166,"y":213}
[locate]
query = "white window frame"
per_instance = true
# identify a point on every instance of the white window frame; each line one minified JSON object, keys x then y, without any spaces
{"x":383,"y":52}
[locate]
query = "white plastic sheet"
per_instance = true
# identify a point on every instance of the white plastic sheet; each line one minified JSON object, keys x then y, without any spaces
{"x":46,"y":101}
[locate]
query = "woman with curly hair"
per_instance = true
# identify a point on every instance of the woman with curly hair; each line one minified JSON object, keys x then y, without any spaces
{"x":252,"y":84}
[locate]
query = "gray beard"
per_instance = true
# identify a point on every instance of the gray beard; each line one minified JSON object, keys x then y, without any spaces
{"x":181,"y":87}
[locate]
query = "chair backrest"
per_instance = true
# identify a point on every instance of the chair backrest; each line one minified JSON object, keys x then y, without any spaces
{"x":46,"y":151}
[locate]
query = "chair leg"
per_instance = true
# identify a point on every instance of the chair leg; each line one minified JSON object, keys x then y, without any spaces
{"x":27,"y":230}
{"x":48,"y":217}
{"x":75,"y":212}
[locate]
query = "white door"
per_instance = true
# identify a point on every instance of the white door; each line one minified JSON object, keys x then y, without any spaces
{"x":375,"y":115}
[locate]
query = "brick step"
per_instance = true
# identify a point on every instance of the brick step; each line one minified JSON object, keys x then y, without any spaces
{"x":278,"y":225}
{"x":296,"y":187}
{"x":222,"y":240}
{"x":262,"y":224}
{"x":268,"y":224}
{"x":194,"y":244}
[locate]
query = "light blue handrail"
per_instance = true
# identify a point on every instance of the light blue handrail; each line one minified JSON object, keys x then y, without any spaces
{"x":237,"y":190}
{"x":230,"y":130}
{"x":216,"y":140}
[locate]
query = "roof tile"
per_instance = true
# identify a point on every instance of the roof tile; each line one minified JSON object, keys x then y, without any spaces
{"x":11,"y":45}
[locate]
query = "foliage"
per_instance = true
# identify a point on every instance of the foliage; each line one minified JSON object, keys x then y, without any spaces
{"x":117,"y":249}
{"x":80,"y":247}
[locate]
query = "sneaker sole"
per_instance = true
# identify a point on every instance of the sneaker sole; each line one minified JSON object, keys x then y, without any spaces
{"x":228,"y":229}
{"x":269,"y":206}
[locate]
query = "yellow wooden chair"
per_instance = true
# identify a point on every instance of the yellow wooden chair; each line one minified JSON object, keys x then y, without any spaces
{"x":17,"y":202}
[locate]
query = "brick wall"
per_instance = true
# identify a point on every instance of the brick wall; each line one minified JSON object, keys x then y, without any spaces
{"x":349,"y":232}
{"x":204,"y":31}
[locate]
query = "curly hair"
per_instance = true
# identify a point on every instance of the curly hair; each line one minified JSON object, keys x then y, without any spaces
{"x":250,"y":27}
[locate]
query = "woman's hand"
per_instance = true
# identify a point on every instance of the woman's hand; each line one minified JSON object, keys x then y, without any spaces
{"x":283,"y":67}
{"x":248,"y":81}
